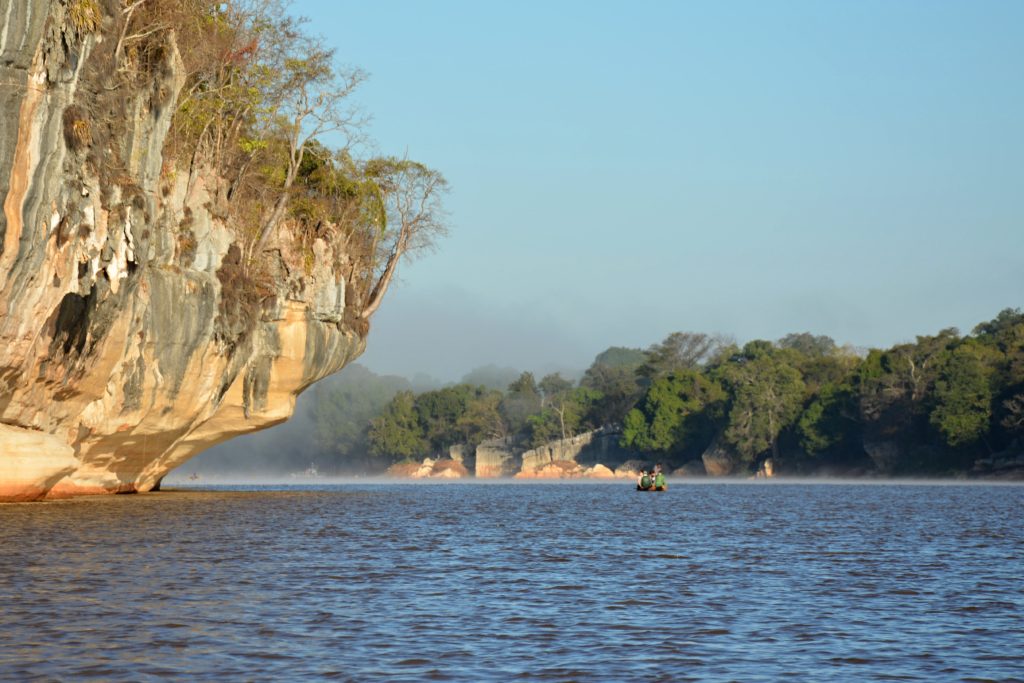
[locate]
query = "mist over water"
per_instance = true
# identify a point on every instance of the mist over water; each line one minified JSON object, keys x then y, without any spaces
{"x":466,"y":582}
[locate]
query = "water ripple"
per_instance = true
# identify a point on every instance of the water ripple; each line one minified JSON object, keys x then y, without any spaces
{"x":518,"y":582}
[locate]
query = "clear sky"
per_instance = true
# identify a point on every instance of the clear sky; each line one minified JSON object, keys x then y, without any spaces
{"x":621,"y":170}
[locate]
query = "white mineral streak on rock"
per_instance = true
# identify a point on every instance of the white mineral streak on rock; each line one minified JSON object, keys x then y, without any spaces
{"x":129,"y":241}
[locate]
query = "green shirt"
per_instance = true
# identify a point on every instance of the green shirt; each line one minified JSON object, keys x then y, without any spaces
{"x":645,"y":482}
{"x":659,"y":480}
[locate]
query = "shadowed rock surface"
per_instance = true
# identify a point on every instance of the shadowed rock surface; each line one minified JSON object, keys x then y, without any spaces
{"x":128,"y":339}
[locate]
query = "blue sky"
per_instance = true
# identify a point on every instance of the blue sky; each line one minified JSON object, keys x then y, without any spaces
{"x":621,"y":170}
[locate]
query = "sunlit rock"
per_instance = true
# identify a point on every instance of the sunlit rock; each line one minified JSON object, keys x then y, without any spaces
{"x":766,"y":470}
{"x":429,"y":469}
{"x":631,"y":469}
{"x":31,"y":462}
{"x":598,"y":471}
{"x":496,"y":458}
{"x":559,"y":469}
{"x":694,"y":468}
{"x":124,"y":350}
{"x":556,"y":451}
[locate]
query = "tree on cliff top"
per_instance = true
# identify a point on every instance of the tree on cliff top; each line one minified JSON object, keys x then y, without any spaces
{"x":306,"y":101}
{"x":411,"y":219}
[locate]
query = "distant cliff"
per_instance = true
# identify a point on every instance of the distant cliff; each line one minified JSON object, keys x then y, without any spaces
{"x":133,"y":334}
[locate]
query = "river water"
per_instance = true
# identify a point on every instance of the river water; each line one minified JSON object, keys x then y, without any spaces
{"x":476,"y":582}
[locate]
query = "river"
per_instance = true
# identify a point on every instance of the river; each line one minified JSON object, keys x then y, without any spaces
{"x":477,"y":582}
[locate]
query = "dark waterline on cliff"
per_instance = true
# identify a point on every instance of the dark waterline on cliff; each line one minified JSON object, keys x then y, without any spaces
{"x":494,"y":582}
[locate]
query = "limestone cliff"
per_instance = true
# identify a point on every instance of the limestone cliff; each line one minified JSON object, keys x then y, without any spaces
{"x":126,"y":346}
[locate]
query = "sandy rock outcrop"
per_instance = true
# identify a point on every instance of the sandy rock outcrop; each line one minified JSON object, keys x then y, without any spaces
{"x":131,"y":335}
{"x":694,"y":468}
{"x":429,"y":469}
{"x":599,"y":471}
{"x":631,"y":469}
{"x":559,"y":469}
{"x":566,"y":469}
{"x":767,"y":470}
{"x":562,"y":450}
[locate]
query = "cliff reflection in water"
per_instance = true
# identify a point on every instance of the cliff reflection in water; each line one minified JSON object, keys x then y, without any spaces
{"x":549,"y":582}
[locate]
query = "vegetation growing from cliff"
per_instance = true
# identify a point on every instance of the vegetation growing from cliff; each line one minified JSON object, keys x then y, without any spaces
{"x":264,"y":115}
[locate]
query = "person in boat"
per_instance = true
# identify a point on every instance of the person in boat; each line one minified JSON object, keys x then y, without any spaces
{"x":659,"y":479}
{"x":645,"y":482}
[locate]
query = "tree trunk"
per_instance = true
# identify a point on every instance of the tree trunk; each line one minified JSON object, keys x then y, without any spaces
{"x":294,"y":161}
{"x":379,"y":289}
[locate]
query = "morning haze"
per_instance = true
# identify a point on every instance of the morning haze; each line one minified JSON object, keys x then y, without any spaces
{"x":849,"y":169}
{"x":736,"y":169}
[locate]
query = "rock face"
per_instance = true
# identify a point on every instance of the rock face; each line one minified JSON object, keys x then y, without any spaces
{"x":496,"y":458}
{"x":766,"y":470}
{"x":694,"y":468}
{"x":719,"y":460}
{"x":129,"y":341}
{"x":556,"y":451}
{"x":429,"y":469}
{"x":566,"y":469}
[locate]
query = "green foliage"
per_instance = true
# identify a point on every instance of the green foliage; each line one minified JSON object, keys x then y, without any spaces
{"x":344,"y":406}
{"x":757,"y":348}
{"x":522,"y":400}
{"x":620,"y":357}
{"x":563,"y":417}
{"x":261,"y":97}
{"x":678,"y":351}
{"x":963,"y":394}
{"x":675,"y":410}
{"x":938,"y":403}
{"x":613,"y":375}
{"x":1003,"y":331}
{"x":439,"y":412}
{"x":807,"y":344}
{"x":482,"y":419}
{"x":397,"y":432}
{"x":416,"y":425}
{"x":618,"y":392}
{"x":829,"y":420}
{"x":553,"y":385}
{"x":767,"y":397}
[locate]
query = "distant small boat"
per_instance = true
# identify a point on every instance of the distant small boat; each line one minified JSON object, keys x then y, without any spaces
{"x":310,"y":472}
{"x":663,"y":488}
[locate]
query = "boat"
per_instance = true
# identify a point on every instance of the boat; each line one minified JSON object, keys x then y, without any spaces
{"x":663,"y":488}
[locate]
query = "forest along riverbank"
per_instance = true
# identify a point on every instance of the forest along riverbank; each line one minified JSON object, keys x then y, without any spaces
{"x":947,"y":405}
